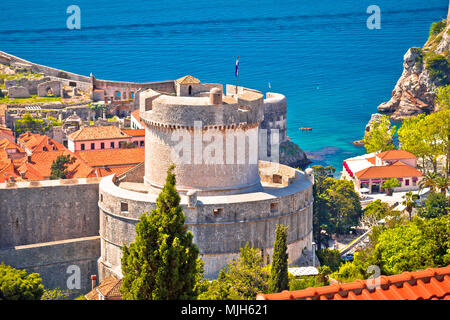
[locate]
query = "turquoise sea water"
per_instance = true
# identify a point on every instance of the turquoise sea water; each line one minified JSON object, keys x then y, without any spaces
{"x":320,"y":54}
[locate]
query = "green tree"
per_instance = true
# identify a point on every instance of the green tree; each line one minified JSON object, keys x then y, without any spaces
{"x":18,"y":285}
{"x":436,"y":205}
{"x":59,"y":168}
{"x":330,"y":258}
{"x":409,"y":201}
{"x":442,"y":101}
{"x":390,"y":184}
{"x":242,"y":279}
{"x":374,"y":212}
{"x":380,"y":137}
{"x":442,"y":183}
{"x":411,"y":246}
{"x":336,"y":205}
{"x":162,"y":263}
{"x":411,"y":138}
{"x":279,"y":279}
{"x":428,"y":181}
{"x":30,"y":123}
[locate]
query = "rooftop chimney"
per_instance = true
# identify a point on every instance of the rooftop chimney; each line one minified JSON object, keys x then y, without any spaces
{"x":93,"y":281}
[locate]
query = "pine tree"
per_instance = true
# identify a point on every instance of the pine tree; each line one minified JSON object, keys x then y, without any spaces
{"x":59,"y":167}
{"x":279,"y":279}
{"x":162,"y":263}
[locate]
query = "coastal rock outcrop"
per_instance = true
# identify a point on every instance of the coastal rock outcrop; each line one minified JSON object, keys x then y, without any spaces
{"x":291,"y":155}
{"x":424,"y":70}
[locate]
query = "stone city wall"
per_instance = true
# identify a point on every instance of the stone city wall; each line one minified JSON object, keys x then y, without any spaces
{"x":221,"y":224}
{"x":53,"y":259}
{"x":43,"y":211}
{"x":37,"y":68}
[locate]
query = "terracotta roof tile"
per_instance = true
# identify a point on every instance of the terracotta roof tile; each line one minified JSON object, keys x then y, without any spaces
{"x":97,"y":133}
{"x":104,"y":172}
{"x":39,"y":166}
{"x":39,"y":143}
{"x":113,"y":157}
{"x":187,"y":80}
{"x":395,"y":155}
{"x":398,"y":170}
{"x":429,"y":284}
{"x":109,"y":288}
{"x":134,"y":132}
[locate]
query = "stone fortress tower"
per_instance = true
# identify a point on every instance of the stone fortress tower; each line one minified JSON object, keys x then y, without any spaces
{"x":229,"y":196}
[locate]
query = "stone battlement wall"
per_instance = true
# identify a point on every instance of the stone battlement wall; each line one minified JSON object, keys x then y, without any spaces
{"x":53,"y":259}
{"x":175,"y":111}
{"x":221,"y":224}
{"x":43,"y":211}
{"x":37,"y":68}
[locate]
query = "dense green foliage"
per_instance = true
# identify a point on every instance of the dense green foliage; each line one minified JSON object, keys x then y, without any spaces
{"x":438,"y":67}
{"x":402,"y":246}
{"x":336,"y":205}
{"x":330,"y":258}
{"x":59,"y":167}
{"x":18,"y":285}
{"x":390,"y":184}
{"x":436,"y":205}
{"x":375,"y":211}
{"x":242,"y":279}
{"x":427,"y":137}
{"x":279,"y":279}
{"x":57,"y":294}
{"x":437,"y":27}
{"x":380,"y":137}
{"x":162,"y":263}
{"x":443,"y":97}
{"x":35,"y":124}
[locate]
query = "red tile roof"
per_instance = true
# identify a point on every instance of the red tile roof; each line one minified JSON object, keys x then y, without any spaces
{"x":108,"y":288}
{"x":134,"y":132}
{"x":8,"y":144}
{"x":395,"y":155}
{"x":104,"y":172}
{"x":39,"y":166}
{"x":429,"y":284}
{"x":396,"y":170}
{"x":136,"y":114}
{"x":97,"y":133}
{"x":38,"y":143}
{"x":6,"y":167}
{"x":113,"y":157}
{"x":372,"y":160}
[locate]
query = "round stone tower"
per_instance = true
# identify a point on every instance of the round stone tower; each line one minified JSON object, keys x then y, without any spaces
{"x":228,"y":195}
{"x":213,"y":141}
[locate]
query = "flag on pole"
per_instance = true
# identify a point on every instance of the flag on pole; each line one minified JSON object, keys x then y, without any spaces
{"x":237,"y":67}
{"x":269,"y":85}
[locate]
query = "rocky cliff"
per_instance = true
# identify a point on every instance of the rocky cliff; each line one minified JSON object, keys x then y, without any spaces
{"x":425,"y":69}
{"x":291,"y":155}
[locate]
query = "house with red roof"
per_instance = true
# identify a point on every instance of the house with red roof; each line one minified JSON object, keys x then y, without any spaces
{"x":136,"y":122}
{"x":34,"y":142}
{"x":112,"y":161}
{"x":429,"y":284}
{"x":371,"y":170}
{"x":7,"y":170}
{"x":37,"y":166}
{"x":104,"y":137}
{"x":6,"y":133}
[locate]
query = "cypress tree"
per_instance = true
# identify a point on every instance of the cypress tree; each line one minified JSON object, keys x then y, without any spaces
{"x":162,"y":263}
{"x":279,"y":278}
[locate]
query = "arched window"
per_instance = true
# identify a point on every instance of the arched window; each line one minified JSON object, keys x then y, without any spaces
{"x":190,"y":90}
{"x":118,"y":95}
{"x":132,"y":95}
